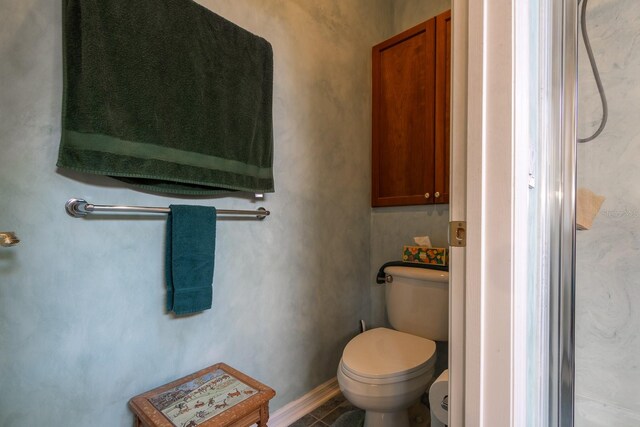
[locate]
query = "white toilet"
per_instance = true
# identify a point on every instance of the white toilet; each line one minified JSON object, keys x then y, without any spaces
{"x":385,"y":371}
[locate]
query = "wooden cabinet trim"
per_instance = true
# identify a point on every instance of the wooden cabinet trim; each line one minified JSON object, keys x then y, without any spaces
{"x":443,"y":106}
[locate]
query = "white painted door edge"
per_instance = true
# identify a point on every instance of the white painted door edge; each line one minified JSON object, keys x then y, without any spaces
{"x":458,"y":210}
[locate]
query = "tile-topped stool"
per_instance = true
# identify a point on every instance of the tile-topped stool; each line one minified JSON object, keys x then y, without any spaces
{"x":217,"y":396}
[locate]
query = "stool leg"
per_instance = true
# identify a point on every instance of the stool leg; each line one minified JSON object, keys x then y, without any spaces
{"x":264,"y":415}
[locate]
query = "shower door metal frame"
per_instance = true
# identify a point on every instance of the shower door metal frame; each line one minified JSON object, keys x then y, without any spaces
{"x":561,"y":210}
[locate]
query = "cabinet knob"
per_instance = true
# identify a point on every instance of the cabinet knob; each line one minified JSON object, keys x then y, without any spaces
{"x":426,"y":195}
{"x":437,"y":194}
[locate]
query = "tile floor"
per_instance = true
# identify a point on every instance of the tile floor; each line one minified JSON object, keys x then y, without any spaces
{"x":325,"y":414}
{"x":331,"y":410}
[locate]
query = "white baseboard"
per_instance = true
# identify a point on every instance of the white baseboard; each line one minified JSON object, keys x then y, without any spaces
{"x":298,"y":408}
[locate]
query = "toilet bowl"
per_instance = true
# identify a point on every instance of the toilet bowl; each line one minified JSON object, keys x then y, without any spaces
{"x":384,"y":371}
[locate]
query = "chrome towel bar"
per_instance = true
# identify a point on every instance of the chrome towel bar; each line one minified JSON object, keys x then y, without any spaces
{"x":78,"y":208}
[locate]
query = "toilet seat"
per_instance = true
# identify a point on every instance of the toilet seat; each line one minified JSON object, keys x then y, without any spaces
{"x":382,"y":356}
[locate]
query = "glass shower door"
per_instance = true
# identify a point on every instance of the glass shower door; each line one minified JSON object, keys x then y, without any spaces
{"x":607,"y":279}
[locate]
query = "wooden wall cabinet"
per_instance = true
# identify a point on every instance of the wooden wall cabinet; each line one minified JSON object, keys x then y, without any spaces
{"x":411,"y":115}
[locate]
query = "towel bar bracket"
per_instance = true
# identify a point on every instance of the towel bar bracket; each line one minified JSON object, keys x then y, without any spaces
{"x":76,"y":207}
{"x":79,"y":208}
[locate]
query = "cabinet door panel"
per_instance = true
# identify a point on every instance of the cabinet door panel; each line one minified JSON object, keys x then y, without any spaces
{"x":443,"y":106}
{"x":403,"y":118}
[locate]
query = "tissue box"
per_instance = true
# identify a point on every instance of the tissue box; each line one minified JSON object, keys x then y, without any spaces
{"x":424,"y":255}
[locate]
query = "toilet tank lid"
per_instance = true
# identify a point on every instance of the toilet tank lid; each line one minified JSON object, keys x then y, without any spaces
{"x":419,"y":274}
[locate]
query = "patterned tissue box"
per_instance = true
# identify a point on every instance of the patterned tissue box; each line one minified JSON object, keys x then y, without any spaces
{"x":424,"y":255}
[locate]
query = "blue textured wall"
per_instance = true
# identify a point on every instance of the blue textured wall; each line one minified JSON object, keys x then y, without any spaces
{"x":82,"y":321}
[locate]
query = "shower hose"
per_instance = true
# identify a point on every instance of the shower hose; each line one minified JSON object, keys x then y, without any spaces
{"x":596,"y":73}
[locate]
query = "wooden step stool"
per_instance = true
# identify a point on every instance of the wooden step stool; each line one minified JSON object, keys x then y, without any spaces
{"x":217,"y":396}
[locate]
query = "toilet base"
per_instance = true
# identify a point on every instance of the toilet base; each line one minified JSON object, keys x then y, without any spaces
{"x":385,"y":405}
{"x":386,"y":419}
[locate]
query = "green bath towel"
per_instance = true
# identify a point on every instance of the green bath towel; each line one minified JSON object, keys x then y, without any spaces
{"x":190,"y":252}
{"x":166,"y":95}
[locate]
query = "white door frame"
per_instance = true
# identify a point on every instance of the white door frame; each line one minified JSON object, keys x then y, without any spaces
{"x":488,"y":191}
{"x":459,"y":404}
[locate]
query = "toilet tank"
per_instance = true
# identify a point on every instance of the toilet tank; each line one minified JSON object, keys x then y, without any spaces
{"x":417,"y":301}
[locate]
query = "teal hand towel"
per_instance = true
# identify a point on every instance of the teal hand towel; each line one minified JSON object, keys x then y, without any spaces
{"x":166,"y":95}
{"x":190,"y":252}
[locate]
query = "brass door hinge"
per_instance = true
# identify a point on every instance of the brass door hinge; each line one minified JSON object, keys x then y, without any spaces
{"x":458,"y":233}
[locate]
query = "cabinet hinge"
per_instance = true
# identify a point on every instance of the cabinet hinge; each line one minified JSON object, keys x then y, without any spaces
{"x":458,"y":233}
